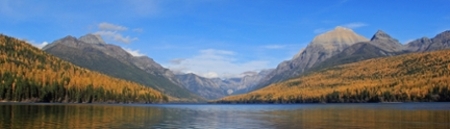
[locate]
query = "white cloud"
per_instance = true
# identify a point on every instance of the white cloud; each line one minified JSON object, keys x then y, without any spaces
{"x":114,"y":32}
{"x":407,"y":41}
{"x":111,"y":27}
{"x":134,"y":52}
{"x":176,"y":61}
{"x":116,"y":36}
{"x":212,"y":52}
{"x":354,"y":25}
{"x":211,"y":75}
{"x":321,"y":30}
{"x":38,"y":45}
{"x":213,"y":63}
{"x":274,"y":46}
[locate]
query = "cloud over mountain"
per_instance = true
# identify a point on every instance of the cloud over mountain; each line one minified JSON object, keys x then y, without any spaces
{"x":212,"y":63}
{"x":114,"y":32}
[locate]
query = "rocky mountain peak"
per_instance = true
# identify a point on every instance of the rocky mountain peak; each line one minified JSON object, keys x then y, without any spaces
{"x":92,"y":39}
{"x":69,"y":37}
{"x":418,"y":44}
{"x":384,"y":41}
{"x":440,"y":41}
{"x":340,"y":28}
{"x":337,"y":38}
{"x":380,"y":35}
{"x":68,"y":41}
{"x":321,"y":48}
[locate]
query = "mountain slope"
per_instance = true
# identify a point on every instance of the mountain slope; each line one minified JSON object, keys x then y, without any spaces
{"x":408,"y":77}
{"x":321,"y":48}
{"x":29,"y":74}
{"x":91,"y":52}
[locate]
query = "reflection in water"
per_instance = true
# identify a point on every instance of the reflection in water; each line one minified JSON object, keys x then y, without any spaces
{"x":77,"y":116}
{"x":407,"y":115}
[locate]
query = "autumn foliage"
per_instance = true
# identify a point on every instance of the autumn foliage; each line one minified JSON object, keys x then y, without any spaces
{"x":417,"y":77}
{"x":29,"y":74}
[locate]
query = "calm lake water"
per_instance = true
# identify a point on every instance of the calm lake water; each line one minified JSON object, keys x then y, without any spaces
{"x":379,"y":115}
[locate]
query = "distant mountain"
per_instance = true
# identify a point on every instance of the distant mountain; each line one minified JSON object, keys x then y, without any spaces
{"x":380,"y":45}
{"x":250,"y":81}
{"x":419,"y":45}
{"x":215,"y":88}
{"x":320,"y":49}
{"x":28,"y":74}
{"x":90,"y":51}
{"x":440,"y":41}
{"x":414,"y":77}
{"x":205,"y":87}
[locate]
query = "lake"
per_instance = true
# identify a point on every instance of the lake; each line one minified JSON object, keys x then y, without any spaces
{"x":205,"y":116}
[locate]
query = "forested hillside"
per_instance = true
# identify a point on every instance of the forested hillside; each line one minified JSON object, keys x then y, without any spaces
{"x":29,"y":74}
{"x":418,"y":77}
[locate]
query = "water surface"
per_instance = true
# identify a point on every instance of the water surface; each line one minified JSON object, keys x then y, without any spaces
{"x":377,"y":115}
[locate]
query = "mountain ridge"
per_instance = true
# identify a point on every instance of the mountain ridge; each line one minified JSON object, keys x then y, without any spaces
{"x":115,"y":61}
{"x":215,"y":88}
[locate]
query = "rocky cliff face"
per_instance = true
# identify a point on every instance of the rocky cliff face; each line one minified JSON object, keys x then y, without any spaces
{"x":321,"y":48}
{"x":215,"y":88}
{"x":90,"y":51}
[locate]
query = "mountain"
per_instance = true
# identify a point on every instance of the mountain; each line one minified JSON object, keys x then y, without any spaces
{"x":321,"y":48}
{"x":90,"y":51}
{"x":414,"y":77}
{"x":250,"y":81}
{"x":215,"y":88}
{"x":419,"y":45}
{"x":380,"y":45}
{"x":386,"y":42}
{"x":205,"y":87}
{"x":31,"y":75}
{"x":440,"y":41}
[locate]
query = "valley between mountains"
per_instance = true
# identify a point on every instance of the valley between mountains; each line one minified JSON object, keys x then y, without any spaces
{"x":337,"y":66}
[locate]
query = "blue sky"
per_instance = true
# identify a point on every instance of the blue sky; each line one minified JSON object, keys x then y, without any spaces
{"x":218,"y":38}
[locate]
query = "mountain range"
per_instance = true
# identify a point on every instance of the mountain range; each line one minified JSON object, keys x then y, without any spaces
{"x":90,"y":51}
{"x":341,"y":46}
{"x":333,"y":48}
{"x":377,"y":50}
{"x":215,"y":88}
{"x":412,"y":77}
